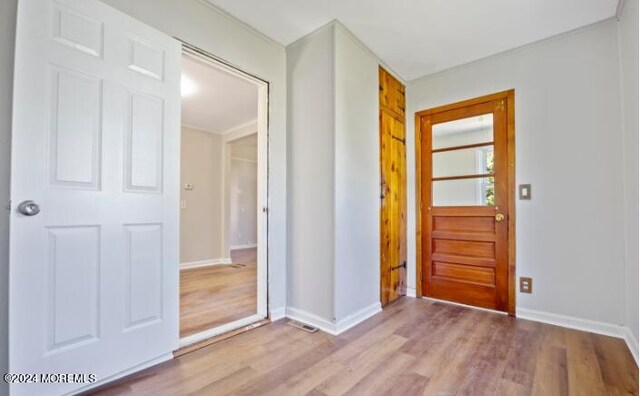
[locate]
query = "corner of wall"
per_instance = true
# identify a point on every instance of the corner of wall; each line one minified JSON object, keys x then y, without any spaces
{"x":628,"y":80}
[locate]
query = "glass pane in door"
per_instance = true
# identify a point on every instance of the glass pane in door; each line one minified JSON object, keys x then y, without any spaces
{"x":464,"y":192}
{"x":462,"y":132}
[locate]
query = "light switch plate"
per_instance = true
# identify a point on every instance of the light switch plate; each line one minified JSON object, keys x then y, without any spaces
{"x":524,"y":191}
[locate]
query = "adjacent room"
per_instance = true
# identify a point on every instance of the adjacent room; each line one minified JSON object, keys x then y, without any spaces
{"x":222,"y":197}
{"x":218,"y":200}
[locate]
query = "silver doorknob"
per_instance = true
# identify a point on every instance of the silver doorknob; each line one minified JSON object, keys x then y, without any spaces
{"x":28,"y":208}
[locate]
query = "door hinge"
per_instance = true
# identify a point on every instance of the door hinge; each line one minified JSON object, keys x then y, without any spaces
{"x":399,"y":139}
{"x":403,"y":265}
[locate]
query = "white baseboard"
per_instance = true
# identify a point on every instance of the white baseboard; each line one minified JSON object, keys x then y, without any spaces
{"x":331,"y":327}
{"x":277,"y":313}
{"x":590,"y":326}
{"x":411,"y":292}
{"x":632,"y":343}
{"x":358,"y":317}
{"x":239,"y":247}
{"x":570,"y":322}
{"x":205,"y":263}
{"x":311,"y":319}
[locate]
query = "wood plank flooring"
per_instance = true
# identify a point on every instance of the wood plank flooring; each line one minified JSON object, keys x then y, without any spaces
{"x":413,"y":347}
{"x":219,"y":294}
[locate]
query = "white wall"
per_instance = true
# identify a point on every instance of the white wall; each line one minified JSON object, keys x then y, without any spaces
{"x":7,"y":38}
{"x":201,"y":227}
{"x":569,"y":147}
{"x":334,"y":227}
{"x":628,"y":35}
{"x":244,"y":202}
{"x":311,"y":182}
{"x":205,"y":27}
{"x":357,"y":177}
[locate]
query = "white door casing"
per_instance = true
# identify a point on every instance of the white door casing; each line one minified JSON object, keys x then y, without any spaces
{"x":96,"y":129}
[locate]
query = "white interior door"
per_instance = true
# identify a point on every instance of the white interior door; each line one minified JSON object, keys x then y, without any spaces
{"x":94,"y":275}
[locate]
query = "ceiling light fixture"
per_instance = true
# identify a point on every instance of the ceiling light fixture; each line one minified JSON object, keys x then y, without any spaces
{"x":187,"y":86}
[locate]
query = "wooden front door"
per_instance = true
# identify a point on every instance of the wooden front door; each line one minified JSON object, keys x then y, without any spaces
{"x":466,"y":201}
{"x":393,"y":197}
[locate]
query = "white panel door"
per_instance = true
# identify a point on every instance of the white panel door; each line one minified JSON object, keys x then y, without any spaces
{"x":94,"y":275}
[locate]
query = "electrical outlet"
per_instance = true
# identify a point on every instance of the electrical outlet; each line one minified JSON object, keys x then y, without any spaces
{"x":526,"y":285}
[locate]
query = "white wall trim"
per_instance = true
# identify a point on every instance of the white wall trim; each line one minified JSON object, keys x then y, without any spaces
{"x":244,"y":160}
{"x":243,"y":128}
{"x":411,"y":292}
{"x":240,"y":23}
{"x":197,"y":128}
{"x":330,"y":327}
{"x":277,"y":313}
{"x":571,"y":322}
{"x":591,"y":326}
{"x":311,"y":319}
{"x":358,"y":317}
{"x":247,"y":246}
{"x":366,"y":49}
{"x":205,"y":263}
{"x":632,"y":343}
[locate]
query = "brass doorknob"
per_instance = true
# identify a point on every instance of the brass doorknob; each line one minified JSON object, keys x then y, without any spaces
{"x":499,"y":217}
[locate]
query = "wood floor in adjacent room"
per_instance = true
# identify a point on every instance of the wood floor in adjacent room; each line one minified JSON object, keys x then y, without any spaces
{"x":413,"y":347}
{"x":219,"y":294}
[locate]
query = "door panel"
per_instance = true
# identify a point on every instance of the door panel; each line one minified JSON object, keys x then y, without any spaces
{"x":96,"y":114}
{"x":464,"y":203}
{"x":393,"y":205}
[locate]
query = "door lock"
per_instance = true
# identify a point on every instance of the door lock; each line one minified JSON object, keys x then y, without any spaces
{"x":499,"y":217}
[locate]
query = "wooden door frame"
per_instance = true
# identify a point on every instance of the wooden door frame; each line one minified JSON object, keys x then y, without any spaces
{"x":509,"y":97}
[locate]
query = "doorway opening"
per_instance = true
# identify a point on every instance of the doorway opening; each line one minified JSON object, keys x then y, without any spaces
{"x":223,"y":195}
{"x":465,"y":174}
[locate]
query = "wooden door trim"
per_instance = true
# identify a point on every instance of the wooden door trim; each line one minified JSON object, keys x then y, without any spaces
{"x":509,"y":97}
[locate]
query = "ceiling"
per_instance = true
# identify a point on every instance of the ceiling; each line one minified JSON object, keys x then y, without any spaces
{"x":420,"y":37}
{"x":215,"y":101}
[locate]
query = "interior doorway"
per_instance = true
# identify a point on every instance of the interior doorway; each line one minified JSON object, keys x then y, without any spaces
{"x":222,"y":198}
{"x":466,"y":198}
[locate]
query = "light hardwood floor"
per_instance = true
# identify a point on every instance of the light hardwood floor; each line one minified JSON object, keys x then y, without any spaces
{"x":219,"y":294}
{"x":413,"y":347}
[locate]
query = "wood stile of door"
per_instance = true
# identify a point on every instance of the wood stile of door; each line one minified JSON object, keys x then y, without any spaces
{"x":393,"y":207}
{"x":455,"y":243}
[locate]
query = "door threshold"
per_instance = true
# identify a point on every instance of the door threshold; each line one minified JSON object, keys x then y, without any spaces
{"x":210,"y":341}
{"x":465,"y":305}
{"x":204,"y":336}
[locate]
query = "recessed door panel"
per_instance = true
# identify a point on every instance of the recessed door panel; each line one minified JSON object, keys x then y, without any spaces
{"x":76,"y":125}
{"x":143,"y":145}
{"x":143,"y":248}
{"x":73,"y":285}
{"x":77,"y":30}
